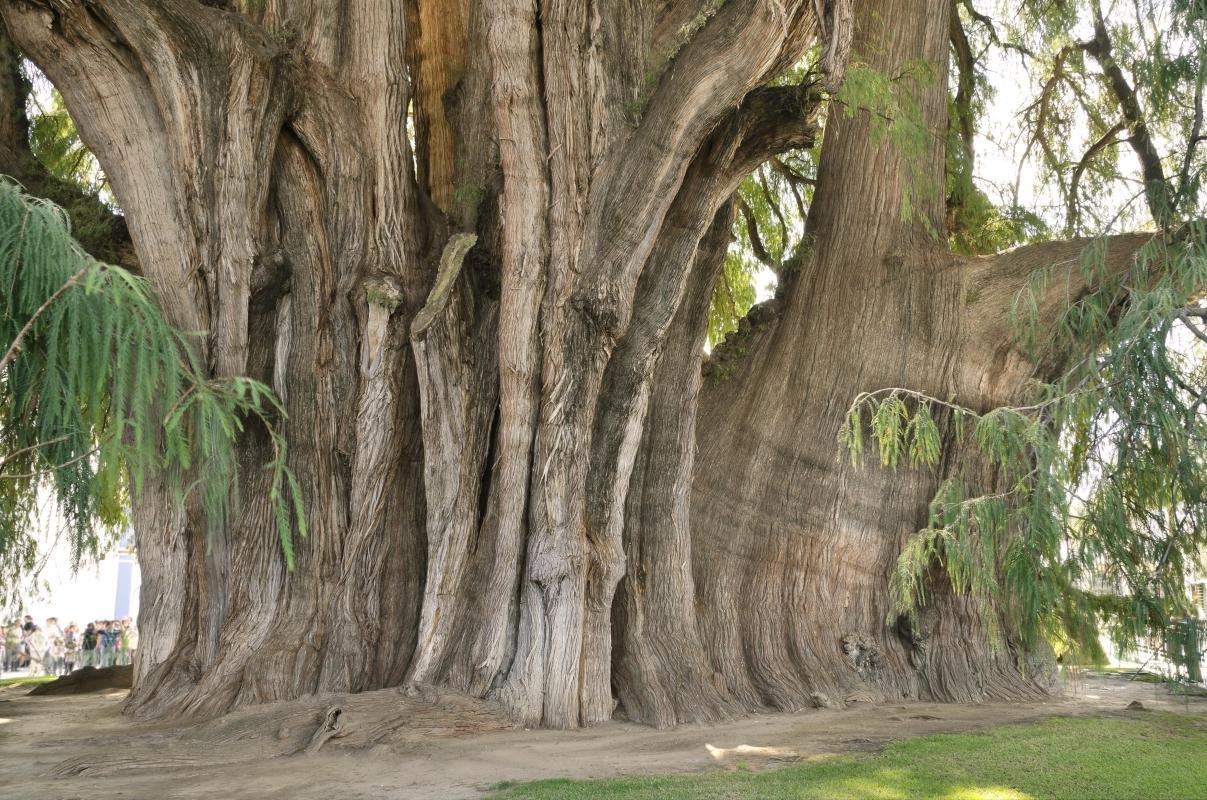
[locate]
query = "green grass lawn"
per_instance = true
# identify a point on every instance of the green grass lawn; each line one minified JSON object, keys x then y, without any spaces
{"x":26,"y":679}
{"x":1147,"y":757}
{"x":1129,"y":673}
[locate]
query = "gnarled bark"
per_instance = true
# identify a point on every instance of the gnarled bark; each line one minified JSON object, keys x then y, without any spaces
{"x":792,"y":561}
{"x":489,"y":344}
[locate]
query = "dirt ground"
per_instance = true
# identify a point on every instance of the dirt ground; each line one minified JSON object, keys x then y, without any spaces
{"x":106,"y":755}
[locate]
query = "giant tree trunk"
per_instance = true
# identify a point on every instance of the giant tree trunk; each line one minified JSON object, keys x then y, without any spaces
{"x":792,"y":562}
{"x":489,"y":341}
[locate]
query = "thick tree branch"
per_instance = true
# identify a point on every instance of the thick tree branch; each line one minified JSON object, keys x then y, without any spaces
{"x":774,"y":119}
{"x":736,"y":48}
{"x":994,"y":282}
{"x":965,"y":78}
{"x":838,"y":28}
{"x":1141,"y":141}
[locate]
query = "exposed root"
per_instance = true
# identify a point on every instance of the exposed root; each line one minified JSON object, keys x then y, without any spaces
{"x":332,"y":727}
{"x":397,"y":720}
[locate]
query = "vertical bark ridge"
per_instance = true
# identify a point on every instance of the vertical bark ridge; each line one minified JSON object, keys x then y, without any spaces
{"x":392,"y":280}
{"x":457,"y":378}
{"x":210,"y":96}
{"x":515,"y":58}
{"x":661,"y":672}
{"x":769,"y":121}
{"x":588,"y":306}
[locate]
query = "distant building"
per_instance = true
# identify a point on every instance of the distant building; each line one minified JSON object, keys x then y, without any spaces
{"x":129,"y":578}
{"x":107,"y":589}
{"x":1151,"y":653}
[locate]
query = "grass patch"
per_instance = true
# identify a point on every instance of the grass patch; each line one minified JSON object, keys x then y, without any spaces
{"x":22,"y":679}
{"x":1159,"y":755}
{"x":1129,"y":673}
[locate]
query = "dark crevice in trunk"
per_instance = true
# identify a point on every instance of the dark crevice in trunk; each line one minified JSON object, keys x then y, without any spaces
{"x":488,"y":465}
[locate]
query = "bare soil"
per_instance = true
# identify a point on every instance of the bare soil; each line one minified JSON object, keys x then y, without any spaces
{"x":434,"y":743}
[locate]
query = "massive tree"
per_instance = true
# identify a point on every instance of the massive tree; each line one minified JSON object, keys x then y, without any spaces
{"x":472,"y":246}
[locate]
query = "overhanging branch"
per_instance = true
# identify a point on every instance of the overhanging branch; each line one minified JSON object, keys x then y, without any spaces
{"x":775,"y":119}
{"x":966,"y":64}
{"x":994,"y":283}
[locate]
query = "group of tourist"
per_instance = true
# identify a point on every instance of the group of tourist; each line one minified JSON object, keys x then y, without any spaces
{"x":51,"y":649}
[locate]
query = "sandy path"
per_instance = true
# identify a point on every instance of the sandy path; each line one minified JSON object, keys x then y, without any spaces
{"x":38,"y":732}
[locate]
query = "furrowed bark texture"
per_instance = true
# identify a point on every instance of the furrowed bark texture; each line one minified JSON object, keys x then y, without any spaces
{"x":792,"y":546}
{"x":488,"y":335}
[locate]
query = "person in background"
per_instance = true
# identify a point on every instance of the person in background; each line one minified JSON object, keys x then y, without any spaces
{"x":88,"y":646}
{"x":129,"y":640}
{"x":109,"y":636}
{"x":53,"y":632}
{"x":98,"y":656}
{"x":27,"y":632}
{"x":12,"y":647}
{"x":55,"y":657}
{"x":38,"y":648}
{"x":71,"y":645}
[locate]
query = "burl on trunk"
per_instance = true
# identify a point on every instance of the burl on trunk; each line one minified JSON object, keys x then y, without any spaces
{"x":522,"y":479}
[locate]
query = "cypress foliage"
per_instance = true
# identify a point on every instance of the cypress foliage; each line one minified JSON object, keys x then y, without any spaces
{"x":98,"y":391}
{"x":1099,"y":496}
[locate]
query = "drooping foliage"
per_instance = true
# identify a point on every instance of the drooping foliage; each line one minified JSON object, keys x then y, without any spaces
{"x":768,"y":229}
{"x":98,"y":393}
{"x":1097,"y":503}
{"x":1082,"y":509}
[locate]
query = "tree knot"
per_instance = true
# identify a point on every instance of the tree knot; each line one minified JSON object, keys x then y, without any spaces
{"x":451,"y":261}
{"x":863,"y":654}
{"x":332,"y":726}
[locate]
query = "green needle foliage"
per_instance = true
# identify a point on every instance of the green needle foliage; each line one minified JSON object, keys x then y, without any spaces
{"x":1083,"y":508}
{"x":1096,"y":502}
{"x":98,"y":393}
{"x":56,"y":142}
